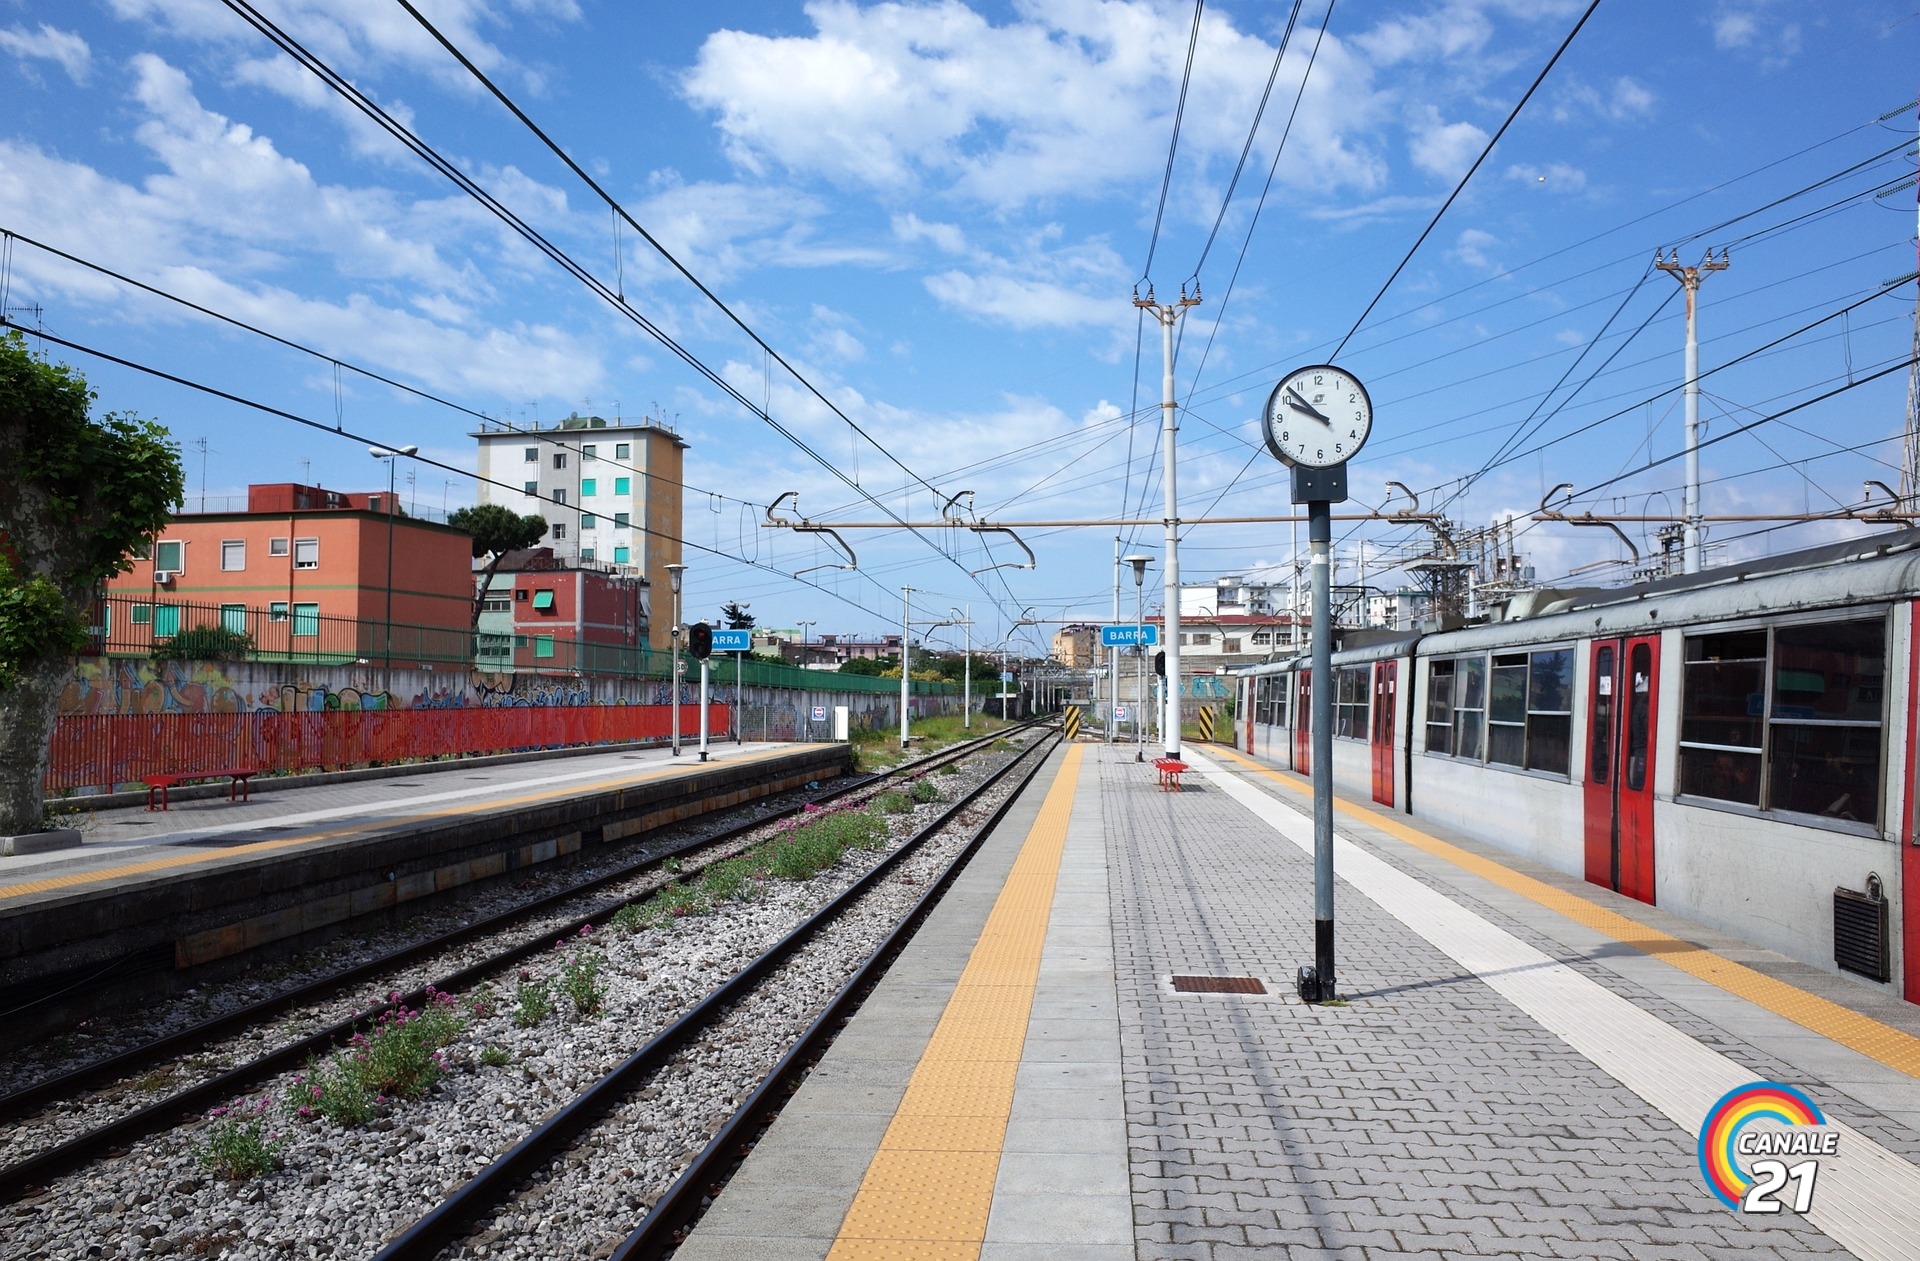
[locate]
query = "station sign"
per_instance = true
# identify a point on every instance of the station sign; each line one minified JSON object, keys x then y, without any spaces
{"x":1006,"y":676}
{"x":732,"y":640}
{"x":1119,"y":713}
{"x":1128,"y":636}
{"x":819,"y":713}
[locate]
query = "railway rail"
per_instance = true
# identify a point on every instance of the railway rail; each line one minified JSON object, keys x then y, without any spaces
{"x":21,"y":1177}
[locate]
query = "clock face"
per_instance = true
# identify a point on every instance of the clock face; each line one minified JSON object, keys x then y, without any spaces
{"x":1318,"y":417}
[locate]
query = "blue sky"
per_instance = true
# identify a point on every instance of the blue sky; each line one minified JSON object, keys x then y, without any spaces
{"x":938,"y":213}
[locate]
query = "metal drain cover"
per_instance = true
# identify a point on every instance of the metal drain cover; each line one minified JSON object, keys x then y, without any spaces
{"x":1218,"y":985}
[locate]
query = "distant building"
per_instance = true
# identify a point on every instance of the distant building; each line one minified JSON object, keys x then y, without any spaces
{"x":842,"y":648}
{"x":610,"y":491}
{"x":543,"y":612}
{"x":296,"y":556}
{"x":1232,"y":639}
{"x":1233,"y":594}
{"x":1076,"y":647}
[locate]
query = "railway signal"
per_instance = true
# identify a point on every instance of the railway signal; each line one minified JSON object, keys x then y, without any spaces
{"x":1318,"y":417}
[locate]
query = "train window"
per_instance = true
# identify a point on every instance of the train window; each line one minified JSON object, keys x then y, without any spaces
{"x":1470,"y":706}
{"x":1440,"y":707}
{"x":1639,"y":703}
{"x":1350,"y":702}
{"x":1600,"y":736}
{"x":1724,"y":695}
{"x":1550,"y":711}
{"x":1823,"y":728}
{"x":1507,"y":711}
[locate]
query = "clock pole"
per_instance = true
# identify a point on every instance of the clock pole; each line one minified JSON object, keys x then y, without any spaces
{"x":1320,"y":545}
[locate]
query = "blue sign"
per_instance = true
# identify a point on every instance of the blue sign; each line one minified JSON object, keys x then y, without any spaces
{"x":1006,"y":676}
{"x":1122,"y":636}
{"x":819,"y":713}
{"x":733,"y":641}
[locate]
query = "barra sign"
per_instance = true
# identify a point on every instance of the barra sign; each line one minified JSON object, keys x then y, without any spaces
{"x":1128,"y":636}
{"x":732,"y":640}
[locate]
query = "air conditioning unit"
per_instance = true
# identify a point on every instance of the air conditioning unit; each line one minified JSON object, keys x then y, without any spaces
{"x":163,"y":577}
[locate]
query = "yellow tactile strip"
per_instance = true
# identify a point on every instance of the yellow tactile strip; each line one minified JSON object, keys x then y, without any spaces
{"x":929,"y":1189}
{"x":1893,"y":1047}
{"x":98,"y":875}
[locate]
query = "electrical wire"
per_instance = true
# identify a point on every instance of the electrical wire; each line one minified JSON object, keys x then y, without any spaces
{"x":1279,"y":55}
{"x":1173,"y":143}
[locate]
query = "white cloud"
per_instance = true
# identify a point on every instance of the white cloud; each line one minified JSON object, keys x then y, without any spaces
{"x":945,"y":236}
{"x":1750,"y":26}
{"x":1022,"y":303}
{"x":1449,"y":32}
{"x":832,"y":336}
{"x":1624,"y":100}
{"x":1555,"y":177}
{"x":1570,"y":337}
{"x":894,"y":96}
{"x":1471,"y":247}
{"x":1443,"y":150}
{"x":50,"y":44}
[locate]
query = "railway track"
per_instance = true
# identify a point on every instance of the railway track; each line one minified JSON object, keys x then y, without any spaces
{"x":674,"y":1207}
{"x":22,"y":1176}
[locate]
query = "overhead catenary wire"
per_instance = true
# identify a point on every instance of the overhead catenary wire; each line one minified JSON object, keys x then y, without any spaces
{"x":1173,"y":142}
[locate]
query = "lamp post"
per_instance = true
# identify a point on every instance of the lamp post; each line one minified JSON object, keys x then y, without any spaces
{"x":392,"y":456}
{"x":1140,"y":563}
{"x":676,"y":573}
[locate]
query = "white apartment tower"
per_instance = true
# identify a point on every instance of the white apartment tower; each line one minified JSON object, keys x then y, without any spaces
{"x":610,"y":491}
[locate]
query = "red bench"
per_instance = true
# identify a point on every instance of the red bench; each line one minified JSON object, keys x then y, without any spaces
{"x":1169,"y":770}
{"x":239,"y":785}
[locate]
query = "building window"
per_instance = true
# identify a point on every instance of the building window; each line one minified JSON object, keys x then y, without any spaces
{"x":589,"y":452}
{"x":171,"y":557}
{"x":166,"y":620}
{"x":543,"y":646}
{"x":543,"y":600}
{"x":276,"y":547}
{"x":1351,"y":696}
{"x":532,"y":489}
{"x":306,"y":553}
{"x":588,"y":521}
{"x":520,"y":594}
{"x":559,"y":529}
{"x":306,"y":619}
{"x":142,"y":615}
{"x":1262,"y":637}
{"x":621,"y":521}
{"x":277,"y":611}
{"x":233,"y":618}
{"x":559,"y":495}
{"x":623,"y":485}
{"x":1786,"y":719}
{"x":143,"y":550}
{"x":1229,"y":645}
{"x":496,"y":646}
{"x":533,"y":455}
{"x":623,"y":451}
{"x":586,"y":553}
{"x":497,"y":604}
{"x":589,"y":486}
{"x":233,"y":555}
{"x":620,"y":555}
{"x":559,"y":459}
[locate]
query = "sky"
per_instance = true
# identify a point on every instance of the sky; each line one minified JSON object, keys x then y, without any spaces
{"x":934,"y":218}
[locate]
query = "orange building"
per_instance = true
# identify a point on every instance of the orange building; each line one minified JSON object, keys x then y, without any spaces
{"x":305,"y":571}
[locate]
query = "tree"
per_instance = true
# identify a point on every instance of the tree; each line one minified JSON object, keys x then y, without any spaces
{"x":80,"y":494}
{"x":735,"y":615}
{"x":496,"y":530}
{"x":872,"y":667}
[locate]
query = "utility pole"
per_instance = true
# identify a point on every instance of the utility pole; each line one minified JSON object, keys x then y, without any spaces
{"x":1910,"y":451}
{"x":1113,"y":654}
{"x":906,"y":658}
{"x":1167,"y":316}
{"x":1689,"y":278}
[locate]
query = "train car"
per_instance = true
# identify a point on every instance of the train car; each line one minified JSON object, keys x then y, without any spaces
{"x":1736,"y":746}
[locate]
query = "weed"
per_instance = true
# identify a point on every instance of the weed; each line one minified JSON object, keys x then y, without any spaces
{"x":924,"y":791}
{"x":534,"y":1001}
{"x":1000,"y":746}
{"x":485,"y":1000}
{"x":819,"y":839}
{"x":672,"y":866}
{"x":495,"y":1057}
{"x":677,"y":901}
{"x":400,"y":1058}
{"x":154,"y":1080}
{"x":630,"y":918}
{"x":732,"y":880}
{"x":951,"y":768}
{"x":580,"y":981}
{"x":238,"y":1144}
{"x":893,"y":803}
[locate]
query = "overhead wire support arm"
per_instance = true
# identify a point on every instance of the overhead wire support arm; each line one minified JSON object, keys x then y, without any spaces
{"x":804,"y":526}
{"x":1550,"y":514}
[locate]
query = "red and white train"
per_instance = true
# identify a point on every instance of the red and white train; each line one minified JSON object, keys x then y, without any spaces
{"x":1736,"y":746}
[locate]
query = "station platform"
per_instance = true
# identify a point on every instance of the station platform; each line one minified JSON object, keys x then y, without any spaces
{"x":1070,"y":1061}
{"x":154,"y":899}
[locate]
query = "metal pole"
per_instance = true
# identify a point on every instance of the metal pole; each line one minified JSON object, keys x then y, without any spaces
{"x":675,"y":681}
{"x":1140,"y":647}
{"x":1689,"y":278}
{"x":906,"y":657}
{"x":966,"y":675}
{"x":1113,"y":655}
{"x":703,"y":709}
{"x":1319,"y":540}
{"x":1170,"y":566}
{"x":392,"y":460}
{"x":733,"y":716}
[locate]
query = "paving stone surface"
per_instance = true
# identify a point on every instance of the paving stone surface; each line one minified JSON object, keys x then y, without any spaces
{"x":1429,"y":1118}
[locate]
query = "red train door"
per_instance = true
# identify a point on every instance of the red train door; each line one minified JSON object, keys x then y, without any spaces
{"x":1302,"y":722}
{"x":1622,"y":696}
{"x":1386,"y":691}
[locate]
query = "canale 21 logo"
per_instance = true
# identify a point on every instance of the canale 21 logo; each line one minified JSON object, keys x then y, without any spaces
{"x":1754,"y":1167}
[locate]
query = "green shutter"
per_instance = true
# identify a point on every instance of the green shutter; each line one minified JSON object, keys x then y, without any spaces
{"x":543,"y":599}
{"x":543,"y":645}
{"x":306,"y":619}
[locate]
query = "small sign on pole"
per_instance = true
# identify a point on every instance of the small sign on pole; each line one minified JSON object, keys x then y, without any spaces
{"x":819,"y":713}
{"x":1128,"y":636}
{"x":732,"y":640}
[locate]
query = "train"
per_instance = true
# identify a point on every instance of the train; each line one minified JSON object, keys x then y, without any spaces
{"x":1736,"y":746}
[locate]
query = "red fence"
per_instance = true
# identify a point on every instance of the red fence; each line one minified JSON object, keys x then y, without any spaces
{"x":101,"y":750}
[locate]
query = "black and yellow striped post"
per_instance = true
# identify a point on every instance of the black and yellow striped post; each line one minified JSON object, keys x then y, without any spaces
{"x":1073,"y":722}
{"x":1206,"y":722}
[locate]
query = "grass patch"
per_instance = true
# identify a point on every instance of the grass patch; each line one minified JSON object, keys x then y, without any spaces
{"x":400,"y":1058}
{"x":733,"y":879}
{"x":630,"y":918}
{"x":580,"y":980}
{"x":496,"y":1057}
{"x":951,"y":768}
{"x":533,"y":1001}
{"x":893,"y":802}
{"x":238,"y":1144}
{"x":820,"y":840}
{"x":924,"y":792}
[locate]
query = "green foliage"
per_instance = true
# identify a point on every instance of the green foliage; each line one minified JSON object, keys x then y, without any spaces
{"x":79,"y":494}
{"x":951,"y":768}
{"x":400,"y":1058}
{"x":497,"y":529}
{"x":924,"y":792}
{"x":893,"y":803}
{"x":735,"y":615}
{"x":205,"y":643}
{"x":238,"y":1145}
{"x":820,"y":841}
{"x":533,"y":1001}
{"x":630,"y":918}
{"x":732,"y":879}
{"x":871,"y":667}
{"x":495,"y":1057}
{"x":580,"y":980}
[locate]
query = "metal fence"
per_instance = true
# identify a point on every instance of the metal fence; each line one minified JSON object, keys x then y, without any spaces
{"x":103,"y":750}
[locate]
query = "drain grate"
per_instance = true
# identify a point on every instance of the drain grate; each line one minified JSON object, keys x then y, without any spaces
{"x":1218,"y":985}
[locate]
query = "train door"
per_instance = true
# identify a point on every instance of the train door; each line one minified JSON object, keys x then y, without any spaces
{"x":1386,"y":692}
{"x":1622,"y":691}
{"x":1302,"y":721}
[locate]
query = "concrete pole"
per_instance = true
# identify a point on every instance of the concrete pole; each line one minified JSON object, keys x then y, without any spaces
{"x":1170,"y":565}
{"x":966,"y":675}
{"x":1113,"y":655}
{"x":906,"y":658}
{"x":1689,"y":278}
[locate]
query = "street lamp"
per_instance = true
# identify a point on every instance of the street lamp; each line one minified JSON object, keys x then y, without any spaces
{"x":675,"y":574}
{"x":805,"y":659}
{"x":1140,"y":563}
{"x":391,"y":456}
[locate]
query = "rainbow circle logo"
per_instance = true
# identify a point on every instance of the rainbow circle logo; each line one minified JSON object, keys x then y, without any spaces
{"x":1737,"y":1109}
